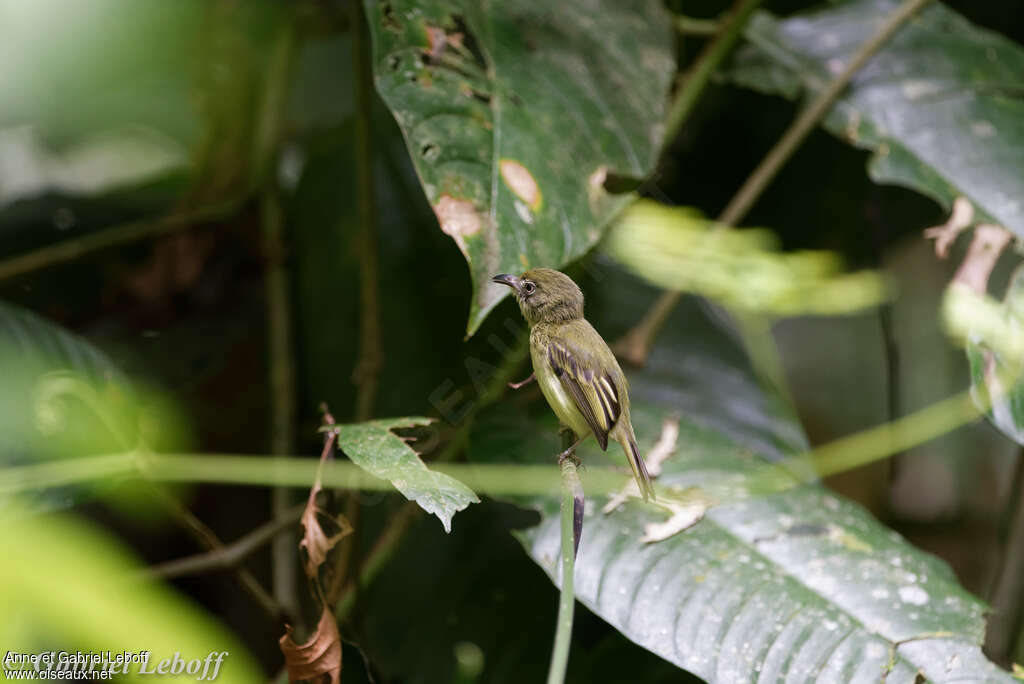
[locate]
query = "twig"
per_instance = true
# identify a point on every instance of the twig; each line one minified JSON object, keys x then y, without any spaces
{"x":809,"y":117}
{"x":368,"y":366}
{"x":381,"y":552}
{"x":567,"y":599}
{"x":206,"y":538}
{"x":1006,"y":622}
{"x":279,"y":314}
{"x":635,"y":345}
{"x":705,"y":65}
{"x":227,"y":556}
{"x":127,"y":233}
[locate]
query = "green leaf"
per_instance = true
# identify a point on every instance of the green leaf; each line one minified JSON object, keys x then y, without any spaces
{"x":515,"y":115}
{"x":993,"y":336}
{"x":939,"y":104}
{"x":375,"y":448}
{"x":796,"y":585}
{"x":70,"y":586}
{"x":60,"y":397}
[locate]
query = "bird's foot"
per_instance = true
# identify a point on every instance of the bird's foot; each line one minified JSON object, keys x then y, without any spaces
{"x":569,"y":453}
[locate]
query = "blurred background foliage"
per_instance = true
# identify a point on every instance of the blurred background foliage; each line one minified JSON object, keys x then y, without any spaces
{"x":145,"y":149}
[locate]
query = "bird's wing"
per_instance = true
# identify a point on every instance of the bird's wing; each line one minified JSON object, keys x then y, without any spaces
{"x":592,"y":389}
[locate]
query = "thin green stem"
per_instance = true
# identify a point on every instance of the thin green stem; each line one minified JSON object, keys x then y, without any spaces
{"x":567,"y":599}
{"x":689,"y":26}
{"x":705,"y":65}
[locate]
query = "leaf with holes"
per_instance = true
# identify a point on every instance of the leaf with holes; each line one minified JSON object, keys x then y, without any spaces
{"x":515,"y":113}
{"x":781,"y":580}
{"x":939,"y":104}
{"x":376,"y":449}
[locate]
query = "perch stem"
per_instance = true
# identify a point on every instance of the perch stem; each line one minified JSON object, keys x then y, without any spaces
{"x":567,"y":600}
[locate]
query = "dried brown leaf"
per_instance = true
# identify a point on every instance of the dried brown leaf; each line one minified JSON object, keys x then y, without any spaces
{"x":319,"y":659}
{"x":316,"y":541}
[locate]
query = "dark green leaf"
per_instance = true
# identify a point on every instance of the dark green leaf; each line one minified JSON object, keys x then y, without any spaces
{"x":939,"y":105}
{"x":796,"y":585}
{"x":514,"y":117}
{"x":375,"y":448}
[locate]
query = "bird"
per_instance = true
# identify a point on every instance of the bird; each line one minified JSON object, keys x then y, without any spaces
{"x":576,"y":370}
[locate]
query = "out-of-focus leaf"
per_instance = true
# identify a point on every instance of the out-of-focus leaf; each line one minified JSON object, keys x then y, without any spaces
{"x":69,"y":586}
{"x":679,"y":249}
{"x":94,"y":165}
{"x":939,"y":104}
{"x":993,"y":335}
{"x":797,"y":585}
{"x":54,"y":382}
{"x":319,"y":656}
{"x":375,"y":448}
{"x":514,"y":117}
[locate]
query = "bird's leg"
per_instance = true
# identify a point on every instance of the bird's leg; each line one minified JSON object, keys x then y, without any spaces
{"x":571,"y":451}
{"x":527,"y":381}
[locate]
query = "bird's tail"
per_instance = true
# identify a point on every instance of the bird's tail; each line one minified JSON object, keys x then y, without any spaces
{"x":636,"y":462}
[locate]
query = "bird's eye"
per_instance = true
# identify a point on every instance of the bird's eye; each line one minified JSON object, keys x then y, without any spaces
{"x":529,"y":287}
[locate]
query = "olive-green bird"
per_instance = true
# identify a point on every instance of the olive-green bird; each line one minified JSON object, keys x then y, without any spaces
{"x":577,"y":372}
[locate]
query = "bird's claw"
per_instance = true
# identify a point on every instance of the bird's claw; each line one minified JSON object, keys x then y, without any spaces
{"x":570,"y":454}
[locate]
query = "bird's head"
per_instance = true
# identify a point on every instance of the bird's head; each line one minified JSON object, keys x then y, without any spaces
{"x":545,"y":295}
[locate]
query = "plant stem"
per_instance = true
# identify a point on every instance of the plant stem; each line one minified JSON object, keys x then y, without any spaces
{"x":690,"y":26}
{"x":381,"y":552}
{"x":368,"y":366}
{"x":809,"y":117}
{"x":229,"y":555}
{"x":637,"y":342}
{"x":117,"y":236}
{"x":704,"y":66}
{"x":279,"y":314}
{"x":1006,"y":621}
{"x":567,"y":600}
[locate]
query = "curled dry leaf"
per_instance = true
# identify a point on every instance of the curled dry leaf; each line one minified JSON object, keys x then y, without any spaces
{"x":959,"y":220}
{"x":662,"y":449}
{"x":686,"y":511}
{"x":317,"y":660}
{"x":316,"y":541}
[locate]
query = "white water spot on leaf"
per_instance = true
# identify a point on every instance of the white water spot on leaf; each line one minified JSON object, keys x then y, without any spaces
{"x":915,"y":89}
{"x":983,"y":129}
{"x":521,"y":182}
{"x":880,"y":593}
{"x":523,"y":212}
{"x":915,"y":596}
{"x":875,"y":651}
{"x":458,"y":218}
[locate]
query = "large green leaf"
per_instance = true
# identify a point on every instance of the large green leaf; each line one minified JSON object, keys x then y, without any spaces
{"x":796,"y":585}
{"x":514,"y":115}
{"x":55,"y":385}
{"x":939,"y":105}
{"x":375,"y":448}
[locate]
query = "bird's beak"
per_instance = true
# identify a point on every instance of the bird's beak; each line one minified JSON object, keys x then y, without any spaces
{"x":506,"y":279}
